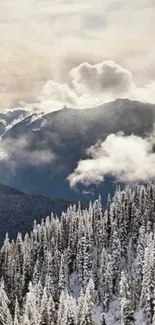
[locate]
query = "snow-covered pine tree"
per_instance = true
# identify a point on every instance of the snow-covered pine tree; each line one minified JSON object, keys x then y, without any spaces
{"x":88,"y":310}
{"x":52,"y":314}
{"x":71,"y":310}
{"x":63,"y":275}
{"x":31,"y":313}
{"x":62,"y":311}
{"x":107,"y":287}
{"x":44,"y":316}
{"x":127,"y":312}
{"x":140,"y":258}
{"x":5,"y":316}
{"x":148,"y":284}
{"x":87,"y":266}
{"x":17,"y":316}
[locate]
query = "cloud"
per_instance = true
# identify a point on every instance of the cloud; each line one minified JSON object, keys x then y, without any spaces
{"x":127,"y":158}
{"x":14,"y":121}
{"x":58,"y":33}
{"x":2,"y":121}
{"x":20,"y":152}
{"x":106,"y":77}
{"x":10,"y":118}
{"x":93,"y":84}
{"x":57,"y":95}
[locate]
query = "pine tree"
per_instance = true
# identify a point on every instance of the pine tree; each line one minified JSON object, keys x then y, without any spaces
{"x":80,"y":307}
{"x":62,"y":311}
{"x":71,"y":311}
{"x":80,"y":256}
{"x":5,"y":316}
{"x":52,"y":315}
{"x":147,"y":293}
{"x":140,"y":258}
{"x":44,"y":317}
{"x":102,"y":275}
{"x":17,"y":314}
{"x":107,"y":283}
{"x":31,"y":315}
{"x":87,"y":266}
{"x":88,"y":310}
{"x":115,"y":260}
{"x":62,"y":275}
{"x":127,"y":312}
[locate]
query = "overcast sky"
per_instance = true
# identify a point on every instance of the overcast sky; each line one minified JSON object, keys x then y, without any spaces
{"x":43,"y":40}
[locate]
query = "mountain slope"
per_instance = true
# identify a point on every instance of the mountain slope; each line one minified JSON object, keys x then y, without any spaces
{"x":48,"y":148}
{"x":17,"y":212}
{"x":7,"y":190}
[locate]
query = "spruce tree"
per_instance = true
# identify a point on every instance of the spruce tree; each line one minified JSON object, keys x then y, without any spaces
{"x":44,"y":316}
{"x":127,"y":312}
{"x":17,"y":317}
{"x":5,"y":316}
{"x":88,"y":311}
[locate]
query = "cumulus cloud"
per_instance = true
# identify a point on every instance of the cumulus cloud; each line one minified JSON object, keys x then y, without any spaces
{"x":106,"y":77}
{"x":59,"y":33}
{"x":57,"y":95}
{"x":127,"y":158}
{"x":93,"y":84}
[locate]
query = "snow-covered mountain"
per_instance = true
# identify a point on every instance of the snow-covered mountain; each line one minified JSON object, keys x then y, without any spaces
{"x":89,"y":267}
{"x":43,"y":150}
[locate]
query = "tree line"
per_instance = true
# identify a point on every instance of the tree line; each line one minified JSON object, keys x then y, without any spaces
{"x":67,"y":266}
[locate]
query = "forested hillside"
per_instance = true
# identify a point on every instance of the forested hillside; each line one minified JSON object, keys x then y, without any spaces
{"x":7,"y":190}
{"x":88,"y":267}
{"x":17,"y":212}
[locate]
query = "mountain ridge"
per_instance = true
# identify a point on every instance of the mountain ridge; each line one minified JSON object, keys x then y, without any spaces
{"x":8,"y":190}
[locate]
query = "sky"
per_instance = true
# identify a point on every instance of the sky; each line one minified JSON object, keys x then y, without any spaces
{"x":79,"y":54}
{"x":49,"y":48}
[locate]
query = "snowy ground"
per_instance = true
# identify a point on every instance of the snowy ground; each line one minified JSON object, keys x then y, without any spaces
{"x":113,"y":316}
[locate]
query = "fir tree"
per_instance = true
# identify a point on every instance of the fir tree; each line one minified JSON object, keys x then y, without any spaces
{"x":17,"y":314}
{"x":5,"y":316}
{"x":127,"y":312}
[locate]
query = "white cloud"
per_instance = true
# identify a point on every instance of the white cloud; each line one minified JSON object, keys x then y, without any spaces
{"x":56,"y":95}
{"x":3,"y":121}
{"x":90,"y":85}
{"x":93,"y":84}
{"x":19,"y":150}
{"x":127,"y":158}
{"x":14,"y":121}
{"x":106,"y":77}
